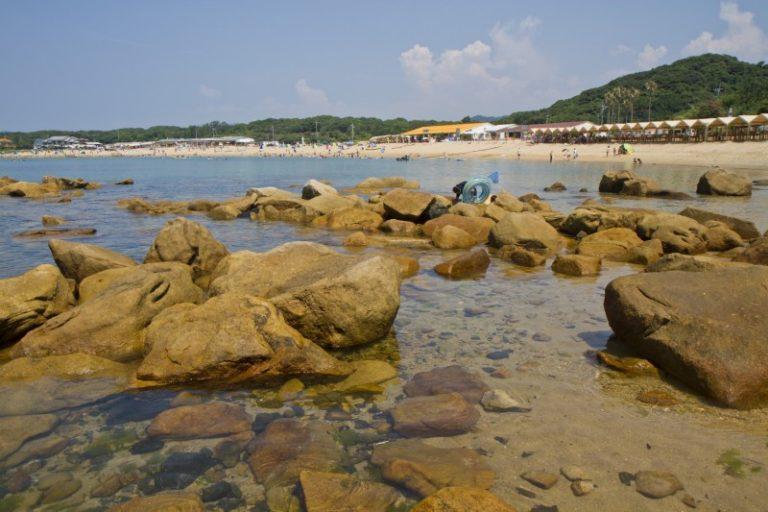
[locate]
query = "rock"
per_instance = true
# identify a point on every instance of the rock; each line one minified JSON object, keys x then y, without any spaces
{"x":746,"y":229}
{"x":520,"y":256}
{"x":314,"y":188}
{"x":686,"y":263}
{"x":450,"y":237}
{"x":111,"y":324}
{"x":211,"y":419}
{"x":166,"y":502}
{"x":409,"y":267}
{"x":398,"y":227}
{"x":424,"y":469}
{"x":677,"y":233}
{"x":64,"y":487}
{"x":576,"y":265}
{"x":64,"y":183}
{"x":629,"y":365}
{"x":698,"y":329}
{"x":230,"y":337}
{"x":224,"y":212}
{"x":495,"y":212}
{"x":78,"y":261}
{"x":354,"y":218}
{"x":127,"y":181}
{"x":540,"y":478}
{"x":387,"y":182}
{"x":36,"y":449}
{"x":555,"y":187}
{"x":289,"y":446}
{"x":646,"y":253}
{"x":356,"y":239}
{"x":689,"y":501}
{"x":341,"y":492}
{"x":477,"y":227}
{"x":29,"y":300}
{"x":190,"y":243}
{"x":657,"y":484}
{"x":470,"y":264}
{"x":497,"y":400}
{"x":613,"y":244}
{"x":111,"y":484}
{"x":334,"y":299}
{"x":582,"y":487}
{"x":526,"y":230}
{"x":573,"y":473}
{"x":613,"y":181}
{"x":147,"y":445}
{"x":367,"y":373}
{"x":15,"y":430}
{"x":55,"y":232}
{"x":30,"y":190}
{"x":595,"y":217}
{"x":467,"y":210}
{"x":448,"y":379}
{"x":52,"y":220}
{"x":439,"y":415}
{"x":756,"y":253}
{"x":18,"y":481}
{"x":510,"y":203}
{"x":96,"y":284}
{"x":462,"y":499}
{"x":719,"y":182}
{"x":656,"y":397}
{"x":720,"y":237}
{"x":439,"y":206}
{"x":405,"y":204}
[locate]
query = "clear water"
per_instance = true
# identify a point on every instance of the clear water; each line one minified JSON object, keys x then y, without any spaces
{"x":581,"y":414}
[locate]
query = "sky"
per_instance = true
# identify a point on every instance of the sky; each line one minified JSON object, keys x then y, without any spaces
{"x":106,"y":64}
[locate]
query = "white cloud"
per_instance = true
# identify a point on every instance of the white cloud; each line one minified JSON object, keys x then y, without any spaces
{"x":209,"y":92}
{"x":742,"y":38}
{"x":483,"y":76}
{"x":649,"y":57}
{"x":620,"y":49}
{"x":310,"y":97}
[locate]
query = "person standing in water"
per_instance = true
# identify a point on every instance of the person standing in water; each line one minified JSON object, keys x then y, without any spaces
{"x":550,"y":157}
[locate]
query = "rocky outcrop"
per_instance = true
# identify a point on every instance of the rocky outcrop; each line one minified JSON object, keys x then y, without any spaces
{"x":576,"y":265}
{"x":111,"y":324}
{"x":646,"y":253}
{"x":95,"y":284}
{"x":78,"y":261}
{"x":612,"y":182}
{"x":596,"y":217}
{"x":324,"y":491}
{"x":612,"y":244}
{"x":333,"y":299}
{"x":211,"y":419}
{"x":687,"y":263}
{"x":437,"y":415}
{"x":405,"y":204}
{"x":463,"y":499}
{"x":708,"y":330}
{"x":353,"y":218}
{"x":526,"y":230}
{"x":477,"y":227}
{"x":29,"y":300}
{"x":450,"y":237}
{"x":314,"y":188}
{"x":719,"y":182}
{"x":676,"y":233}
{"x":720,"y":237}
{"x":425,"y":469}
{"x":468,"y":265}
{"x":745,"y":228}
{"x":756,"y":253}
{"x":230,"y":337}
{"x":30,"y":190}
{"x":375,"y":183}
{"x":187,"y":242}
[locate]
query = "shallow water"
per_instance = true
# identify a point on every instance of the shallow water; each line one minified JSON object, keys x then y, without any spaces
{"x":581,"y":414}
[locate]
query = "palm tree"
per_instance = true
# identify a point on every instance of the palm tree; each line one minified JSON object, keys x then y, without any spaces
{"x":632,"y":95}
{"x":651,"y":87}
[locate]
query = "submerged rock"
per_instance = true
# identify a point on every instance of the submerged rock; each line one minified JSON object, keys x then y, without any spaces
{"x":576,"y":265}
{"x":333,"y":299}
{"x":438,"y":415}
{"x":468,"y":265}
{"x":324,"y":491}
{"x":29,"y":300}
{"x":498,"y":400}
{"x":166,"y":502}
{"x":520,"y":256}
{"x":387,"y":182}
{"x":424,"y":469}
{"x":78,"y":261}
{"x":705,"y":329}
{"x":15,"y":430}
{"x":719,"y":182}
{"x":463,"y":499}
{"x":56,"y":232}
{"x":212,"y":419}
{"x":449,"y":379}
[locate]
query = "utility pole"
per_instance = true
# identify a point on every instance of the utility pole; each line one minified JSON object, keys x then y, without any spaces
{"x":718,"y":89}
{"x":273,"y":132}
{"x":317,"y":134}
{"x":353,"y":132}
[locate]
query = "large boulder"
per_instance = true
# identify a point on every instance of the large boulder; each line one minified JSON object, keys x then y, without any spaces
{"x":450,"y":237}
{"x":353,"y":218}
{"x":596,"y":217}
{"x":29,"y":300}
{"x":465,"y":266}
{"x":613,"y":182}
{"x":477,"y":227}
{"x":333,"y":299}
{"x":707,"y":329}
{"x":405,"y":204}
{"x":78,"y":261}
{"x":720,"y":237}
{"x":425,"y":469}
{"x":30,"y":190}
{"x":612,"y":243}
{"x":230,"y":337}
{"x":111,"y":324}
{"x":398,"y":227}
{"x":510,"y":203}
{"x":677,"y":233}
{"x":719,"y":182}
{"x":94,"y":284}
{"x":526,"y":230}
{"x":578,"y":265}
{"x":688,"y":263}
{"x":190,"y":243}
{"x":314,"y":188}
{"x":756,"y":253}
{"x":745,"y":228}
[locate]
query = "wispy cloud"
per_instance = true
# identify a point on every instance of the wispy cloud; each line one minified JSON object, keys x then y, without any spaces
{"x":209,"y":92}
{"x":742,"y":37}
{"x":650,"y":57}
{"x":312,"y":98}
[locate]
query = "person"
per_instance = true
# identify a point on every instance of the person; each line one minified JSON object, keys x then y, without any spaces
{"x":458,"y":189}
{"x":518,"y":154}
{"x":550,"y":157}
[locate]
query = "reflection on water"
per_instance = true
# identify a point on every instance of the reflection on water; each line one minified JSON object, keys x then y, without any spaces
{"x":529,"y":333}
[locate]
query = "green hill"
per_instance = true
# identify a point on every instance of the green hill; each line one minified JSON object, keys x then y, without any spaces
{"x":684,"y":89}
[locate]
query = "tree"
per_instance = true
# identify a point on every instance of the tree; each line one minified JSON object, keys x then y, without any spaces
{"x":650,"y":87}
{"x":466,"y":119}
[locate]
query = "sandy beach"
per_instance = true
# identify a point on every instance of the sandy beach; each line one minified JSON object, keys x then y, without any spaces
{"x":731,"y":155}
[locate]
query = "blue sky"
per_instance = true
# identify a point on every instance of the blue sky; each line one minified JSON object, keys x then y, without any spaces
{"x":107,"y":64}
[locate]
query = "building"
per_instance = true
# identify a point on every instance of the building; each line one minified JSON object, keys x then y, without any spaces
{"x":65,"y":142}
{"x":6,"y":143}
{"x":447,"y":132}
{"x":235,"y":140}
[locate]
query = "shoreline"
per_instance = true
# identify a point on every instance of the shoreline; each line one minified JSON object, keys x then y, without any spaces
{"x":730,"y":155}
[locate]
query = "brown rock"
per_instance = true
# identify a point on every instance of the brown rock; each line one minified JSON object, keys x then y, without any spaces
{"x":657,"y":484}
{"x":576,"y":265}
{"x":212,"y":419}
{"x":98,"y":283}
{"x":462,"y":499}
{"x":425,"y":469}
{"x":677,"y":233}
{"x":449,"y":379}
{"x":613,"y":181}
{"x":78,"y":261}
{"x":405,"y":204}
{"x":354,"y":218}
{"x":224,"y":212}
{"x":52,"y":220}
{"x":720,"y":237}
{"x":166,"y":502}
{"x":756,"y":253}
{"x":526,"y":230}
{"x":15,"y":430}
{"x":55,"y":232}
{"x":656,"y":397}
{"x":520,"y":256}
{"x":339,"y":492}
{"x":409,"y":267}
{"x":438,"y":415}
{"x":387,"y":182}
{"x":629,"y":365}
{"x":450,"y":237}
{"x":646,"y":253}
{"x":477,"y":227}
{"x":398,"y":227}
{"x":613,"y":244}
{"x":468,"y":265}
{"x":541,"y":479}
{"x":719,"y":182}
{"x":746,"y":229}
{"x":356,"y":239}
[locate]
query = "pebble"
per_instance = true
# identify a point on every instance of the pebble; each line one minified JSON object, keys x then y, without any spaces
{"x":582,"y":487}
{"x":657,"y":484}
{"x":219,"y":491}
{"x":690,"y":501}
{"x":501,"y":373}
{"x":657,"y":397}
{"x":626,"y":478}
{"x":497,"y":400}
{"x":498,"y":354}
{"x":540,"y":479}
{"x":148,"y":445}
{"x":541,"y":337}
{"x":525,"y":492}
{"x":573,"y":473}
{"x":473,"y":311}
